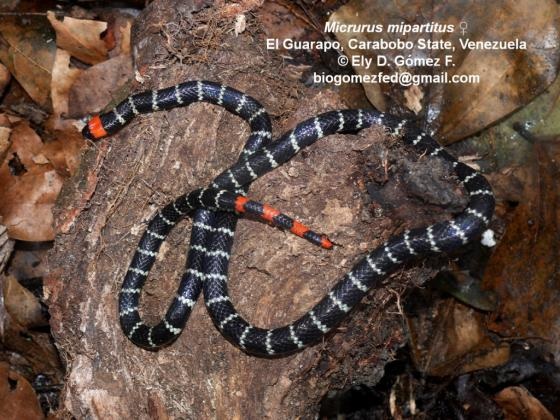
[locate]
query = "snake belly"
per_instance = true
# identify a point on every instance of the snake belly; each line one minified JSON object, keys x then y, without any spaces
{"x":210,"y":250}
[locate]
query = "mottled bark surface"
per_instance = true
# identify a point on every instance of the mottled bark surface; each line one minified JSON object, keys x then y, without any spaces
{"x":274,"y":277}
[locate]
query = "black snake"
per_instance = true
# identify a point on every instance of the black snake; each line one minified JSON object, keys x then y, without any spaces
{"x":214,"y":222}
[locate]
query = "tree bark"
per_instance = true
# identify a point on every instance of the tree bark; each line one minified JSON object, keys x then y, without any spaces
{"x":274,"y":277}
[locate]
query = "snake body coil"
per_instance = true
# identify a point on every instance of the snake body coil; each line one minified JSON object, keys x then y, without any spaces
{"x":213,"y":230}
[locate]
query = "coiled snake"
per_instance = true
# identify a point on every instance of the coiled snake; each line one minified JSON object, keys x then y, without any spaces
{"x":214,"y":222}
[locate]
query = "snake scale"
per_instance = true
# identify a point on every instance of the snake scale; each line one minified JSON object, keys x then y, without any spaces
{"x":214,"y":221}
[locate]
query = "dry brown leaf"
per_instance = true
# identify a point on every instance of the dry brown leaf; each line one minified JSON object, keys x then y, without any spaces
{"x":80,"y":37}
{"x":124,"y":32}
{"x":27,"y":52}
{"x":63,"y":78}
{"x":22,"y":305}
{"x":524,"y":269}
{"x":28,"y":196}
{"x":519,"y":404}
{"x":509,"y":78}
{"x":5,"y":131}
{"x":456,"y":342}
{"x":4,"y":78}
{"x":40,"y":159}
{"x":17,"y":397}
{"x":35,"y":349}
{"x":99,"y":85}
{"x":64,"y":151}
